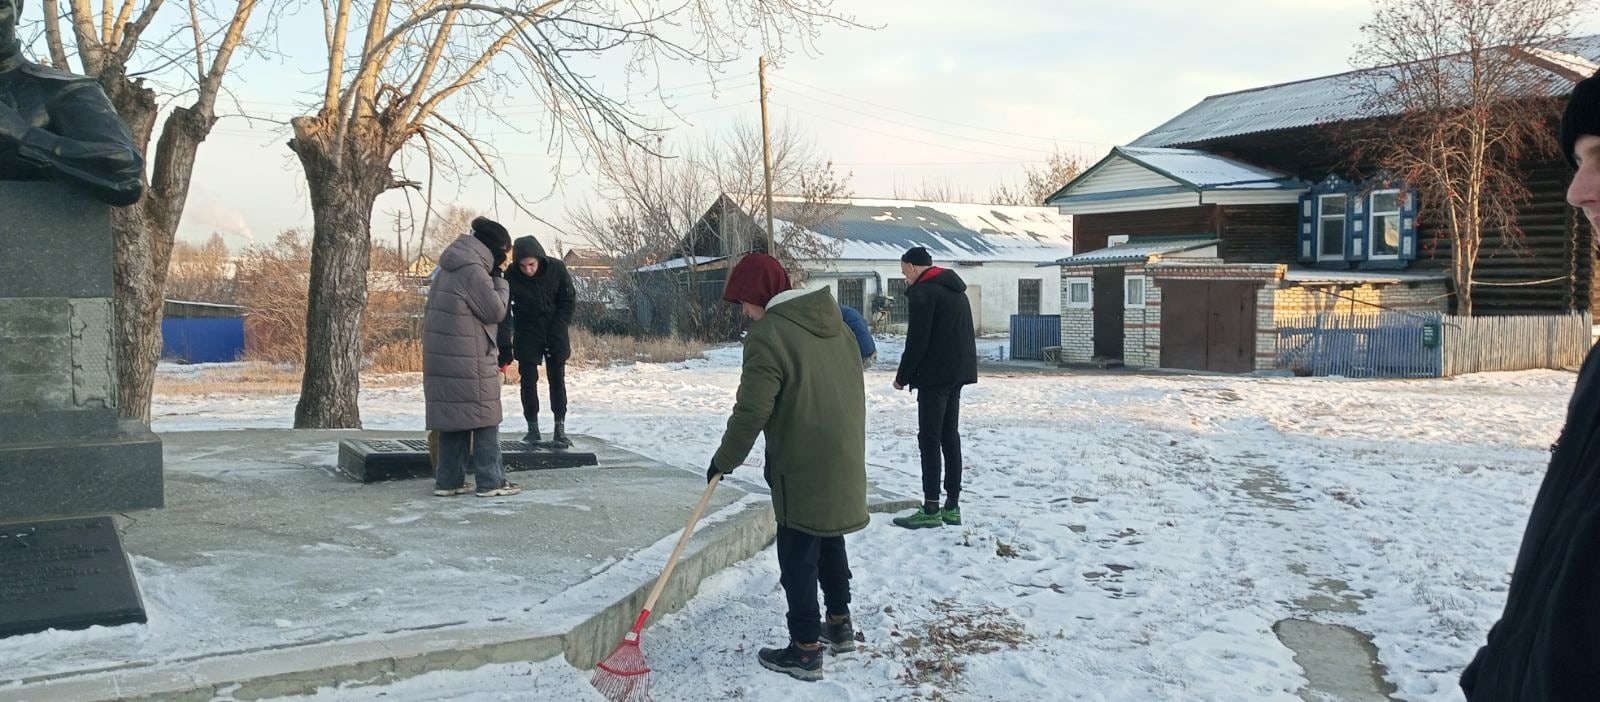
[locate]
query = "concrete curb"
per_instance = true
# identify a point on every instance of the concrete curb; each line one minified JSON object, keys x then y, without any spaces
{"x":583,"y":628}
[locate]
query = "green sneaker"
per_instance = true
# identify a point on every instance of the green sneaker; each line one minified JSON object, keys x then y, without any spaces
{"x":920,"y":519}
{"x":951,"y":515}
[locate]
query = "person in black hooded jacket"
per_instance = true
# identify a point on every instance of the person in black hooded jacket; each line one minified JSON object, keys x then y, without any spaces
{"x":542,"y":303}
{"x":941,"y":356}
{"x":1546,"y":646}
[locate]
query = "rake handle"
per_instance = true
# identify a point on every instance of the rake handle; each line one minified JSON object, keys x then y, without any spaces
{"x":672,"y":560}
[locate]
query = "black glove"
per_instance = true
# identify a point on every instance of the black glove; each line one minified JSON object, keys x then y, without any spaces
{"x":712,"y":473}
{"x":505,"y":358}
{"x":495,"y":272}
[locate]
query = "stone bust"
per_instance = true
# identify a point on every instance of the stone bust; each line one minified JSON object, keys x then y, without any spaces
{"x":59,"y":126}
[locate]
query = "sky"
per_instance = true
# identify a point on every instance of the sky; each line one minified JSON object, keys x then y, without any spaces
{"x":934,"y":91}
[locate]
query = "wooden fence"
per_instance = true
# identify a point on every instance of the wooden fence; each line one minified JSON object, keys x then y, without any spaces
{"x":1483,"y":344}
{"x":1430,"y":345}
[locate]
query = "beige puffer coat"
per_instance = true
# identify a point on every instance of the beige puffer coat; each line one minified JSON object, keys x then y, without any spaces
{"x":460,"y":380}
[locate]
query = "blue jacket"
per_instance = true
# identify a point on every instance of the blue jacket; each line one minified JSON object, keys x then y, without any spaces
{"x":858,"y":326}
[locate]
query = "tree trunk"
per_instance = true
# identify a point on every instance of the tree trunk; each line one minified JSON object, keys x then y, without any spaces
{"x":341,"y":204}
{"x":138,"y":344}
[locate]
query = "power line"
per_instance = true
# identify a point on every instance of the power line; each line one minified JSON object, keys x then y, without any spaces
{"x":918,"y":126}
{"x":938,"y":119}
{"x":887,"y":133}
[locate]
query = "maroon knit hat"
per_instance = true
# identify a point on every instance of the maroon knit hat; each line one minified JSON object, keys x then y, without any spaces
{"x":756,"y":280}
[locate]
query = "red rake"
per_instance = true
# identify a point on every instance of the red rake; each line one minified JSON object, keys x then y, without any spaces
{"x":624,"y":676}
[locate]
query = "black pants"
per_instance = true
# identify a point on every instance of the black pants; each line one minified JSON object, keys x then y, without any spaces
{"x":557,"y":371}
{"x":804,"y":561}
{"x":938,"y":431}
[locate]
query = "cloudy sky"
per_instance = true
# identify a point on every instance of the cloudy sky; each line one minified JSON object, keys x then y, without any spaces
{"x":950,"y":92}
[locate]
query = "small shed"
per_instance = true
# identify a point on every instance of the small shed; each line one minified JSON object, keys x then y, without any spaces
{"x":201,"y":332}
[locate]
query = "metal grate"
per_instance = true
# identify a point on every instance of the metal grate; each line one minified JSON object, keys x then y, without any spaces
{"x":900,"y":312}
{"x":851,"y":294}
{"x":1028,"y":293}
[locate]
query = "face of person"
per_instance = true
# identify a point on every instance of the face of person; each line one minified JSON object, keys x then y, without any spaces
{"x":1584,"y":192}
{"x":753,"y":311}
{"x":529,"y":265}
{"x":906,"y":270}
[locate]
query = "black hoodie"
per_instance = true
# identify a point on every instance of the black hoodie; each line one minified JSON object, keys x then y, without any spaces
{"x":1546,"y":646}
{"x":541,"y":307}
{"x":941,"y":348}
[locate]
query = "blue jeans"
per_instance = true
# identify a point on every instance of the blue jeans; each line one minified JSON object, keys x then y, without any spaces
{"x":483,"y":445}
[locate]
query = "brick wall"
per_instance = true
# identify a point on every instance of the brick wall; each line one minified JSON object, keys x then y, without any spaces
{"x":1141,"y":326}
{"x":1077,"y":325}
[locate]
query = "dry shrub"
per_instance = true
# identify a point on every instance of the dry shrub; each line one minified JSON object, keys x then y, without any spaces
{"x":248,"y":378}
{"x":600,"y":350}
{"x":273,"y":283}
{"x":402,"y":356}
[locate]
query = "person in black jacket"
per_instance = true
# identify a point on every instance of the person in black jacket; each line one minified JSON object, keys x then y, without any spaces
{"x":542,"y":302}
{"x":1546,"y":646}
{"x":941,"y":356}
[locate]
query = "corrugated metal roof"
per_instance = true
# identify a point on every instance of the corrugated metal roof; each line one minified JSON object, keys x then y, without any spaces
{"x":677,"y":263}
{"x":881,"y":230}
{"x":1133,"y":253}
{"x":1339,"y":98}
{"x":1206,"y":170}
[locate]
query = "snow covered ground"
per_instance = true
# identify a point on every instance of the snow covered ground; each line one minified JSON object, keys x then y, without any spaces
{"x":1127,"y":537}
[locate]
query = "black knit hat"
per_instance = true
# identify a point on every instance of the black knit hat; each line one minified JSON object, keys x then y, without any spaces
{"x":1582,"y":115}
{"x":492,"y":234}
{"x":917,"y":256}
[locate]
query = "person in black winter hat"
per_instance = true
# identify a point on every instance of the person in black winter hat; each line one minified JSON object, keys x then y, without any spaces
{"x":542,"y":302}
{"x":1546,"y":646}
{"x":941,"y":356}
{"x":493,"y":235}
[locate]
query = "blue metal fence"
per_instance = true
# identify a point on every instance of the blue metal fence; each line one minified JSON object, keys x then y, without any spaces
{"x":202,"y":339}
{"x":1031,"y":333}
{"x":1384,"y":345}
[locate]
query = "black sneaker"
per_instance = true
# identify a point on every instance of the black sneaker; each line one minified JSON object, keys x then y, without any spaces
{"x":840,"y":637}
{"x":793,"y":661}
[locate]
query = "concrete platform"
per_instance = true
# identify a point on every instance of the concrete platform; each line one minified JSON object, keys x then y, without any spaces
{"x":270,"y":574}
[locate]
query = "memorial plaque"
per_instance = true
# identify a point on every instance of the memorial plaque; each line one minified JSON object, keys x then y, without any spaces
{"x":372,"y":460}
{"x":65,"y":574}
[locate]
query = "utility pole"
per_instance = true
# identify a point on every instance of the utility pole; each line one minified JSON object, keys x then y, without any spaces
{"x":399,"y":244}
{"x":766,"y":158}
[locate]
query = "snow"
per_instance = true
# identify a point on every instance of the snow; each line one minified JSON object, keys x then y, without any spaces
{"x":881,"y":230}
{"x":1145,"y":531}
{"x":1206,"y":169}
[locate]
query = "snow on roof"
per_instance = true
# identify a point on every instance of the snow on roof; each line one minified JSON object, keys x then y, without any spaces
{"x":879,"y":230}
{"x":1339,"y":98}
{"x":1312,"y":275}
{"x":1133,"y":252}
{"x":1205,"y":170}
{"x":677,"y":263}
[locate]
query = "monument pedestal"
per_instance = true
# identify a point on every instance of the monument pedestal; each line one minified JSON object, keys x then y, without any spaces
{"x":63,"y":450}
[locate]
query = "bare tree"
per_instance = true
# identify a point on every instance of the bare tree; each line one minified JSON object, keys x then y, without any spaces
{"x":201,"y":273}
{"x":443,"y":228}
{"x":388,"y":88}
{"x":1039,"y":182}
{"x":108,"y":42}
{"x":812,"y":189}
{"x":655,"y":212}
{"x":943,"y":190}
{"x":1457,"y":73}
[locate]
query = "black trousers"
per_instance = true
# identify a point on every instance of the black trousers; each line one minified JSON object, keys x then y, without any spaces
{"x":557,"y":370}
{"x":805,"y":561}
{"x":938,"y":432}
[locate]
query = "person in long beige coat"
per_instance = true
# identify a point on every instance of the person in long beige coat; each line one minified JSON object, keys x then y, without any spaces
{"x":460,"y":380}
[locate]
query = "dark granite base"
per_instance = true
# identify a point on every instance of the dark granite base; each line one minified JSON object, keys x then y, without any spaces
{"x":65,"y":574}
{"x":372,"y":460}
{"x":86,"y":476}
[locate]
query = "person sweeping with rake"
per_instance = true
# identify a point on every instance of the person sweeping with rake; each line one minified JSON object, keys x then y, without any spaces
{"x":801,"y":385}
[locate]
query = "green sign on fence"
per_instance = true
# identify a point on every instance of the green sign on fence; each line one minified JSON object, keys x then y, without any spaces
{"x":1430,"y":336}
